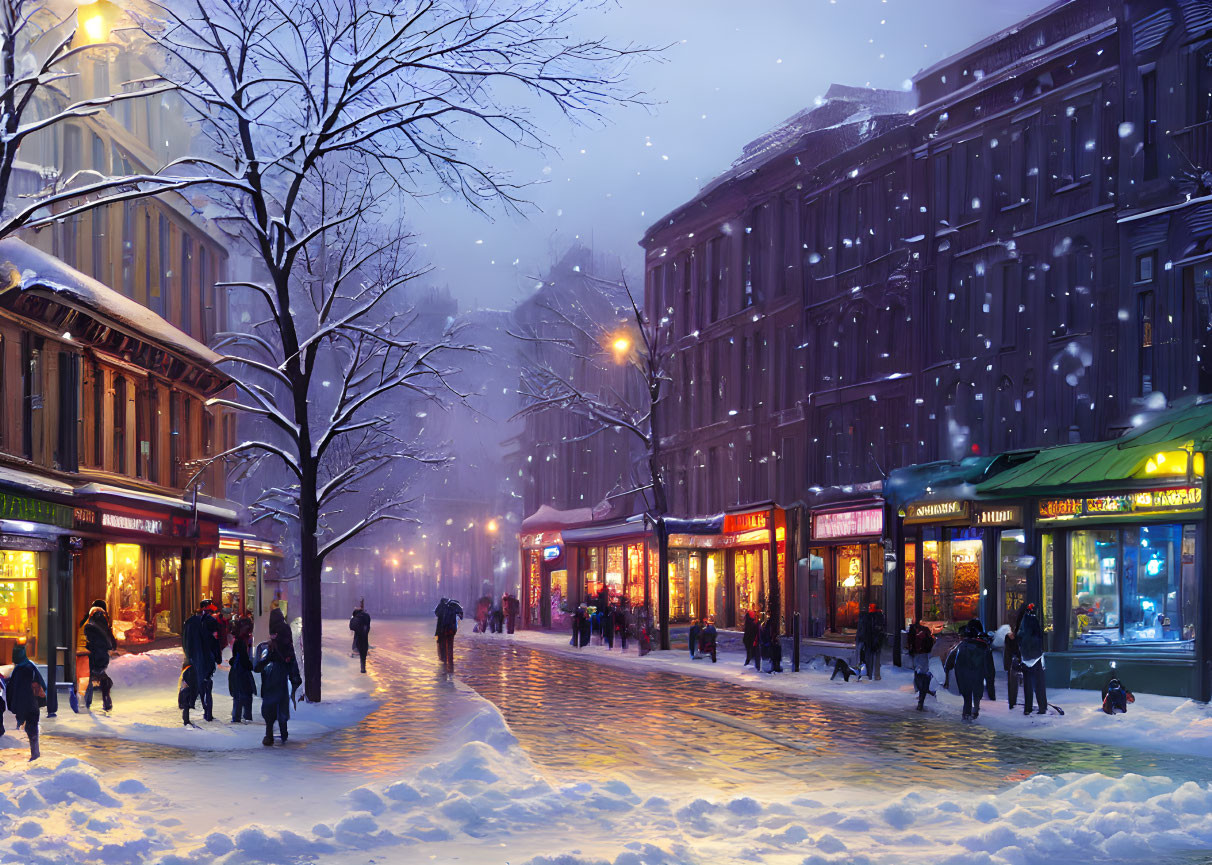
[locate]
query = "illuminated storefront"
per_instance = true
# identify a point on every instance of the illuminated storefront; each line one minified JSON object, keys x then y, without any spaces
{"x":542,"y":559}
{"x":845,"y":568}
{"x":246,"y":576}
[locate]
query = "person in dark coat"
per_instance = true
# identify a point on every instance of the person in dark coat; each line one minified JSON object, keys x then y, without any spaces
{"x":1116,"y":697}
{"x":921,"y":644}
{"x":512,"y":606}
{"x":749,"y":638}
{"x":26,"y":692}
{"x":242,"y":629}
{"x":99,"y":641}
{"x":1029,"y":634}
{"x":280,"y":679}
{"x":869,"y":640}
{"x":707,"y":639}
{"x":200,"y":642}
{"x":359,"y":623}
{"x":187,"y":692}
{"x":240,"y":683}
{"x":695,"y":629}
{"x":448,"y":612}
{"x":972,"y":661}
{"x":497,"y":620}
{"x":771,"y":646}
{"x":1012,"y":664}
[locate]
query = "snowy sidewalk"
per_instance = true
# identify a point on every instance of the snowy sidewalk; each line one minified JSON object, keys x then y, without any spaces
{"x":1170,"y":724}
{"x":145,"y":704}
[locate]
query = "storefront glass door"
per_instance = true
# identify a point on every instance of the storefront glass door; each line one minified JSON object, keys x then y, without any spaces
{"x":1011,"y":575}
{"x":748,"y":567}
{"x":951,"y":577}
{"x":909,"y":557}
{"x":19,"y":602}
{"x":714,"y":562}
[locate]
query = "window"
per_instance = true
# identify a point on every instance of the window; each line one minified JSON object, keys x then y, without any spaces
{"x":1005,"y":416}
{"x":206,"y":286}
{"x":20,"y":610}
{"x":31,"y":385}
{"x":187,"y":284}
{"x":786,"y":280}
{"x":942,"y":188}
{"x":973,"y":181}
{"x":142,"y":425}
{"x":1145,"y":266}
{"x":153,"y":432}
{"x":715,"y":271}
{"x":174,"y":438}
{"x":1146,"y":315}
{"x":158,"y":290}
{"x":847,"y":221}
{"x":1133,"y":585}
{"x":1079,"y":145}
{"x":748,"y":254}
{"x":1010,"y":304}
{"x":149,"y":281}
{"x":98,"y":417}
{"x":119,"y":424}
{"x":1148,"y":99}
{"x":66,"y":452}
{"x":128,"y":249}
{"x":685,"y":291}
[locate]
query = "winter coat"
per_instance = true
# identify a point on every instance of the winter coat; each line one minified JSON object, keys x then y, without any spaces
{"x":921,"y":640}
{"x":1030,"y":637}
{"x":1010,"y":655}
{"x":20,"y":689}
{"x":870,"y":633}
{"x":707,"y":638}
{"x":240,"y":680}
{"x":972,"y":661}
{"x":242,"y":629}
{"x":359,"y":623}
{"x":512,"y":605}
{"x":279,"y":673}
{"x":98,"y":639}
{"x":750,"y":635}
{"x":448,"y":613}
{"x":200,"y":642}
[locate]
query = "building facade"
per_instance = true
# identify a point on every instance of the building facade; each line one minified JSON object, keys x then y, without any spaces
{"x":885,"y":294}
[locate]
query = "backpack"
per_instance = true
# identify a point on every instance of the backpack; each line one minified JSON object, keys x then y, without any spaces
{"x":921,"y":641}
{"x":1030,"y":637}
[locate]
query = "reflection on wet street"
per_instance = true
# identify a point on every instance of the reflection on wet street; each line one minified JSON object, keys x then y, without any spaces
{"x":580,"y":720}
{"x":583,"y":721}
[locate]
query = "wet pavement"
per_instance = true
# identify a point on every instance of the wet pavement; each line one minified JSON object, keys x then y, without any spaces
{"x":583,"y":721}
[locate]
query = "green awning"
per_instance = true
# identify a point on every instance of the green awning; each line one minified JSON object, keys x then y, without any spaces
{"x":1100,"y":463}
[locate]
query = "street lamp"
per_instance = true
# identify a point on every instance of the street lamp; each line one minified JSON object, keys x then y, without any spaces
{"x":95,"y":20}
{"x":621,"y":345}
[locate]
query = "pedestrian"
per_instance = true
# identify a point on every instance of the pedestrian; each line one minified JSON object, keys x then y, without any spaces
{"x":359,"y":623}
{"x":586,"y":632}
{"x":869,"y":640}
{"x":972,"y":661}
{"x":448,"y":612}
{"x":1012,"y":664}
{"x":749,"y":638}
{"x":607,"y":625}
{"x":707,"y":638}
{"x":26,"y":695}
{"x":512,"y":607}
{"x":771,"y":646}
{"x":620,"y":622}
{"x":3,"y":704}
{"x":223,"y":634}
{"x":1116,"y":697}
{"x":242,"y":629}
{"x":921,"y":644}
{"x":695,"y":629}
{"x":200,"y":642}
{"x":240,"y":683}
{"x":498,"y":620}
{"x":187,"y":692}
{"x":279,"y":668}
{"x":99,"y":641}
{"x":1030,"y":637}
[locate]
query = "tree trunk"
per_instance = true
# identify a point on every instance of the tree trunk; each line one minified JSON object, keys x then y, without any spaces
{"x":310,"y":571}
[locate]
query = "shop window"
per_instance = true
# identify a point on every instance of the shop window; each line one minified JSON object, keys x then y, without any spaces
{"x":535,"y":586}
{"x":126,"y":594}
{"x":909,"y":566}
{"x":714,"y":563}
{"x":849,"y":591}
{"x":747,"y":571}
{"x":560,"y":607}
{"x":635,"y":573}
{"x":816,"y":600}
{"x":1135,"y":585}
{"x":694,"y":580}
{"x":1047,"y":565}
{"x":951,"y":579}
{"x":1011,"y":575}
{"x":614,"y":570}
{"x":679,"y":585}
{"x":19,"y":618}
{"x":165,"y":593}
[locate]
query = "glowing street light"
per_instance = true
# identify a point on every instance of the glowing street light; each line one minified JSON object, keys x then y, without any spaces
{"x":492,"y":526}
{"x":95,"y":20}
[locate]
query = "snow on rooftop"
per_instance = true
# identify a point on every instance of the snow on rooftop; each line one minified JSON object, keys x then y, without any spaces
{"x":35,"y":269}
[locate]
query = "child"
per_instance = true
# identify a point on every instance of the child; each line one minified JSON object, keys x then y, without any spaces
{"x":26,"y":693}
{"x":187,"y":691}
{"x":240,"y":682}
{"x":1116,"y":697}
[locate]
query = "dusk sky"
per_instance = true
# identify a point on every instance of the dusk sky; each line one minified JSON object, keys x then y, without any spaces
{"x":723,"y":82}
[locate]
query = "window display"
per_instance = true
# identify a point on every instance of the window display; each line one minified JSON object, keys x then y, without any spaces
{"x":679,"y":585}
{"x":19,"y":598}
{"x":591,"y":570}
{"x":694,"y":581}
{"x":1133,"y":585}
{"x":715,"y":585}
{"x":127,"y":594}
{"x":910,"y":581}
{"x":635,"y":572}
{"x":614,"y":570}
{"x":748,"y":566}
{"x":849,"y":593}
{"x":559,"y":598}
{"x":951,"y":578}
{"x":535,"y":579}
{"x":166,"y":595}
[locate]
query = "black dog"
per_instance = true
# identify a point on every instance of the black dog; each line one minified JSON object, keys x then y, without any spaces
{"x":845,"y":670}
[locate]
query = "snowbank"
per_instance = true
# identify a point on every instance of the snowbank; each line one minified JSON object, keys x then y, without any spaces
{"x":145,"y":704}
{"x":480,"y":799}
{"x":1170,"y":724}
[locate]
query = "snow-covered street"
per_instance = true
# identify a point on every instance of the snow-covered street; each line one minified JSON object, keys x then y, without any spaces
{"x":532,"y":756}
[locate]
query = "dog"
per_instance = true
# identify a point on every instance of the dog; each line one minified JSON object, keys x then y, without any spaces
{"x":840,"y":667}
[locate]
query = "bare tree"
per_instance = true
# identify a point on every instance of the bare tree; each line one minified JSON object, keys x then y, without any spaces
{"x":40,"y":55}
{"x":288,"y":90}
{"x":586,"y":334}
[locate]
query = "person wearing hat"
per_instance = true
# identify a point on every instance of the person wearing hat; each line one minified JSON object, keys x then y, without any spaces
{"x":972,"y":661}
{"x":869,"y":640}
{"x":26,"y":695}
{"x":99,"y":641}
{"x":200,"y":642}
{"x":1029,"y":638}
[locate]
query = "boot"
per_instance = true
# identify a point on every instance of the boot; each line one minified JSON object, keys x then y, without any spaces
{"x":34,"y":751}
{"x":363,"y":665}
{"x":88,"y":695}
{"x":282,"y":729}
{"x":106,"y":703}
{"x":269,"y":733}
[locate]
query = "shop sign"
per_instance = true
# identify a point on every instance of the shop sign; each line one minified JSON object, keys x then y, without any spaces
{"x":847,"y":524}
{"x":1141,"y":503}
{"x":551,"y":553}
{"x":129,"y":523}
{"x":26,"y":543}
{"x":14,"y":507}
{"x":999,"y":516}
{"x":928,"y":512}
{"x":736,"y":524}
{"x":540,"y":539}
{"x":84,"y":518}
